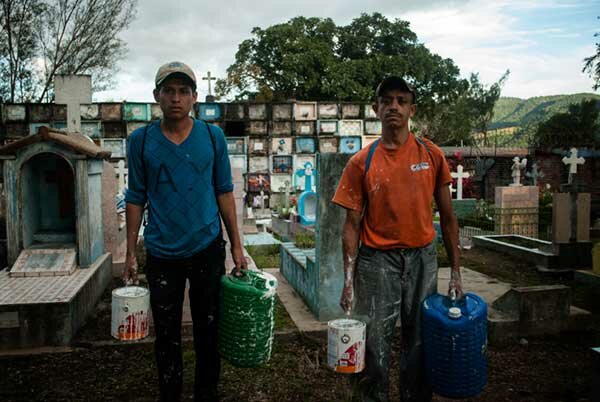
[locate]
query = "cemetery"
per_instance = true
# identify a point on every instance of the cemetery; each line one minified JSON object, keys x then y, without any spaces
{"x":529,"y":234}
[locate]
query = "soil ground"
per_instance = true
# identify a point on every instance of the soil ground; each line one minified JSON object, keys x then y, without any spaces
{"x":552,"y":368}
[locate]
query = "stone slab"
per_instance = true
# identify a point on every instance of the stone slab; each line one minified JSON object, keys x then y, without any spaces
{"x":45,"y":262}
{"x":587,"y":277}
{"x":260,"y":239}
{"x":517,"y":197}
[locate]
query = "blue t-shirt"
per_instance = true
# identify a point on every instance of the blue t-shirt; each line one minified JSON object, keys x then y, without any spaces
{"x":183,"y":215}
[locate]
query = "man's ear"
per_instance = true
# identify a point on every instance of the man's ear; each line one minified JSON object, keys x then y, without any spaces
{"x":375,"y":107}
{"x":195,"y":95}
{"x":155,"y":93}
{"x":413,"y":110}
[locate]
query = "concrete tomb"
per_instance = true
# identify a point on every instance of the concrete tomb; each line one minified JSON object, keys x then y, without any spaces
{"x":58,"y":264}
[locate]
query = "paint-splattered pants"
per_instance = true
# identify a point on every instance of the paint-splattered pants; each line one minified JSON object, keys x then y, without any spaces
{"x":391,"y":284}
{"x":166,"y":280}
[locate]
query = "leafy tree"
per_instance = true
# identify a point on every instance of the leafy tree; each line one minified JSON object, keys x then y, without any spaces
{"x":313,"y":59}
{"x":592,"y":65}
{"x":454,"y":121}
{"x":578,"y":127}
{"x":59,"y":37}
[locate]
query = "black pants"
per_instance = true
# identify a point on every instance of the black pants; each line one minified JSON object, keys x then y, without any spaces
{"x":166,"y":280}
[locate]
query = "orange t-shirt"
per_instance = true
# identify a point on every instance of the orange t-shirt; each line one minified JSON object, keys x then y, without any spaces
{"x":399,"y":185}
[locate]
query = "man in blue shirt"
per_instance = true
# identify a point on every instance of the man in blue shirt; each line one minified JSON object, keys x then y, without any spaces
{"x":180,"y":169}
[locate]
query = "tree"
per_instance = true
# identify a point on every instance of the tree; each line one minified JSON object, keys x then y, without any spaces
{"x":454,"y":121}
{"x":60,"y":37}
{"x":592,"y":65}
{"x":313,"y":59}
{"x":18,"y":46}
{"x":578,"y":127}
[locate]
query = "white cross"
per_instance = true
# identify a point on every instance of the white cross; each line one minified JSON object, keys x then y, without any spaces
{"x":459,"y":176}
{"x":122,"y":175}
{"x":209,"y":79}
{"x":573,"y":161}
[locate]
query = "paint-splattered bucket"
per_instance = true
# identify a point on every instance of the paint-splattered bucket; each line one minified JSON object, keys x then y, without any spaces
{"x":346,"y":345}
{"x":130,"y":313}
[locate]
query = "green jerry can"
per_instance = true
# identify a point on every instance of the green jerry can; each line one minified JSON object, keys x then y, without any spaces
{"x":247,"y":318}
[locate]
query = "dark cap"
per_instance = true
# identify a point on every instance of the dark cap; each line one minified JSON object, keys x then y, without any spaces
{"x":395,"y":82}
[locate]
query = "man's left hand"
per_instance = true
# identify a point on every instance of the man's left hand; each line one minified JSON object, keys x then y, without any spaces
{"x":455,"y":284}
{"x":237,"y":253}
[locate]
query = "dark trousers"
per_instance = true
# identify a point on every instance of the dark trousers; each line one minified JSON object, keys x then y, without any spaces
{"x":166,"y":280}
{"x":391,"y":284}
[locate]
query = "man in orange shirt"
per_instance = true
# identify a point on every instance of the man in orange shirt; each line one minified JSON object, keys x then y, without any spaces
{"x":387,"y":190}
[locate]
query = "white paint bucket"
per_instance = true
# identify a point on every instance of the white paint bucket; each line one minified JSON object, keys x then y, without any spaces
{"x":346,"y":345}
{"x":130,"y":313}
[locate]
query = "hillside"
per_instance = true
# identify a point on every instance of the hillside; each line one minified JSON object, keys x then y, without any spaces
{"x":515,"y":112}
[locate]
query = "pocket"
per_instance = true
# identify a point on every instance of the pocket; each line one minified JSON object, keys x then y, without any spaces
{"x":429,"y":257}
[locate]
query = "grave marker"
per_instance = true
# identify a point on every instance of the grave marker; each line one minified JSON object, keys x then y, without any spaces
{"x":73,"y":91}
{"x":459,"y":175}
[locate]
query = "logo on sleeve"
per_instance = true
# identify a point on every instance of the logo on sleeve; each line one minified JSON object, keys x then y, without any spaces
{"x":419,"y":166}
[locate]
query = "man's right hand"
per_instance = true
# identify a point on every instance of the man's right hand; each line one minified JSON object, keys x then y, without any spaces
{"x":347,"y":298}
{"x":130,"y":275}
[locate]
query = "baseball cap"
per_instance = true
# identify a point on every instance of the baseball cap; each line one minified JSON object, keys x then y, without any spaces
{"x":174,"y":67}
{"x":395,"y":82}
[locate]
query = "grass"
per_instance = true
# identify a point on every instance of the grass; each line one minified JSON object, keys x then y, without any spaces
{"x":264,"y":256}
{"x":304,"y":240}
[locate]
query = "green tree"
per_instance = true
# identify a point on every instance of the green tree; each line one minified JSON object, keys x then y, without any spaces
{"x":454,"y":121}
{"x":592,"y":64}
{"x":39,"y":39}
{"x":578,"y":127}
{"x":313,"y":59}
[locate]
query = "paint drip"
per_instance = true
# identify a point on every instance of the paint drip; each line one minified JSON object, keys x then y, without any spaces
{"x":130,"y":313}
{"x":346,"y":345}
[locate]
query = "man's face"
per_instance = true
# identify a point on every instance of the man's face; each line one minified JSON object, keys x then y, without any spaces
{"x":394,"y":108}
{"x":176,"y":98}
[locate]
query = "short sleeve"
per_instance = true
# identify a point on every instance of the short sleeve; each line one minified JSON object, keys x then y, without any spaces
{"x":224,"y":181}
{"x":443,"y":176}
{"x":136,"y":187}
{"x":349,"y":193}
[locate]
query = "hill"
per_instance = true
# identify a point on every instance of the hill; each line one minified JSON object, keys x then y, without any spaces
{"x":516,"y":112}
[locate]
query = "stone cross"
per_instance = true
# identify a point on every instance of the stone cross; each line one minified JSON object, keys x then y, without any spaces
{"x":122,"y":176}
{"x":73,"y":90}
{"x":287,"y":194}
{"x":535,"y":174}
{"x":459,"y":175}
{"x":573,"y":160}
{"x":209,"y":79}
{"x":518,"y":164}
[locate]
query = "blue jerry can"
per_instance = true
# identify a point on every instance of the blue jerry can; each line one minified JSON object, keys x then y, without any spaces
{"x":455,"y":344}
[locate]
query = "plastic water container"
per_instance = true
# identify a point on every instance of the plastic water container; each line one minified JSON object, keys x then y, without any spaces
{"x":455,"y":343}
{"x":247,"y":318}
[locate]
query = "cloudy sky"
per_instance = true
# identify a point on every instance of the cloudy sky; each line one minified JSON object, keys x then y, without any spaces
{"x":542,"y":42}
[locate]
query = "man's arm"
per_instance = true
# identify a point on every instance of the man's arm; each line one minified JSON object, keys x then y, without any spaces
{"x":227,"y":208}
{"x":449,"y":226}
{"x":350,"y":236}
{"x":133,"y":220}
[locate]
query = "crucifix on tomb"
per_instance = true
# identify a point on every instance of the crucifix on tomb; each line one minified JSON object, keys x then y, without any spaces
{"x":573,"y":160}
{"x":535,"y":174}
{"x":209,"y":78}
{"x":459,"y":175}
{"x":73,"y":91}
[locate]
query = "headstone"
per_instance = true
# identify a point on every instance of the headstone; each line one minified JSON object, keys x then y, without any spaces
{"x":73,"y":90}
{"x":596,"y":259}
{"x":121,"y":176}
{"x":572,"y":161}
{"x":571,"y":220}
{"x":517,"y":210}
{"x":459,"y":175}
{"x":518,"y":164}
{"x":209,"y":79}
{"x":535,"y":174}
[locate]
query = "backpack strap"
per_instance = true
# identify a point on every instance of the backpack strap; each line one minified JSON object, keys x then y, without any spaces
{"x":423,"y":143}
{"x":370,"y":156}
